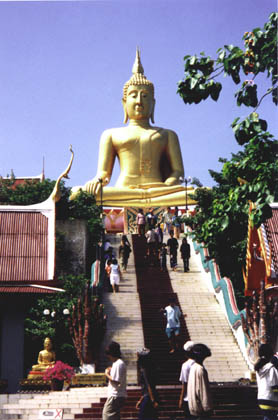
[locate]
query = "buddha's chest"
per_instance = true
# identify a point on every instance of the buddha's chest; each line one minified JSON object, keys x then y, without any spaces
{"x":47,"y":356}
{"x":142,"y":142}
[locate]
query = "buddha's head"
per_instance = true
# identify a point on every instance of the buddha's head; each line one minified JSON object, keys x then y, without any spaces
{"x":138,"y":94}
{"x":47,"y":344}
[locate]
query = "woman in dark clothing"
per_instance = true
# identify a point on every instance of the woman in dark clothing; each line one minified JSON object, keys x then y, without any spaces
{"x":185,"y":254}
{"x":124,"y":251}
{"x":148,"y":403}
{"x":126,"y":241}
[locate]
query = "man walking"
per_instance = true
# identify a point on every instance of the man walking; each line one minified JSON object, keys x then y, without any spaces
{"x":184,"y":375}
{"x":198,"y":390}
{"x":173,"y":314}
{"x":173,"y":245}
{"x":185,"y":254}
{"x":116,"y":375}
{"x":167,"y":220}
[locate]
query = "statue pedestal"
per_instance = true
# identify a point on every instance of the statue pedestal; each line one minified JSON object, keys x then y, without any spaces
{"x":124,"y":220}
{"x":34,"y":384}
{"x":114,"y":220}
{"x":79,"y":380}
{"x":35,"y":381}
{"x":35,"y":374}
{"x":130,"y":214}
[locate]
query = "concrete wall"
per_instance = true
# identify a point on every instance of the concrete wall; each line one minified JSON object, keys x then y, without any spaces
{"x":12,"y":343}
{"x":76,"y":244}
{"x":224,"y":293}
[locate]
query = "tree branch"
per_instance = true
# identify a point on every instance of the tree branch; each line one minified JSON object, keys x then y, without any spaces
{"x":270,"y":90}
{"x":216,"y":74}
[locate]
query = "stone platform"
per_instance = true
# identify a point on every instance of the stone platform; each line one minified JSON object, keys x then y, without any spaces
{"x":79,"y":380}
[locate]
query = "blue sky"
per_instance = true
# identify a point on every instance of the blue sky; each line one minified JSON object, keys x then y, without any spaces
{"x":63,"y":65}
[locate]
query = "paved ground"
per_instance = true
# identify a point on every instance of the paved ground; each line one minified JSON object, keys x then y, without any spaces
{"x":206,"y":322}
{"x":124,"y":323}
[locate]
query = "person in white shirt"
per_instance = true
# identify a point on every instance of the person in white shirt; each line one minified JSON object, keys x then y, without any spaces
{"x":151,"y":245}
{"x":184,"y":375}
{"x":115,"y":276}
{"x":173,"y":314}
{"x":266,"y":369}
{"x":116,"y":375}
{"x":167,"y":220}
{"x":198,"y":389}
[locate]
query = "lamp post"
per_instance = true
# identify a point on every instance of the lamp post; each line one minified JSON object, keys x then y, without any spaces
{"x":55,"y":319}
{"x":186,"y":182}
{"x":100,"y":180}
{"x":53,"y":313}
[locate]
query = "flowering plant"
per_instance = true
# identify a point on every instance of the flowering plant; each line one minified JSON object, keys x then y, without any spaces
{"x":60,"y":371}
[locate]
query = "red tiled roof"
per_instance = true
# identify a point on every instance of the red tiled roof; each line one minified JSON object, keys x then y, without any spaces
{"x":25,"y":289}
{"x":22,"y":180}
{"x":23,"y":246}
{"x":271,"y":228}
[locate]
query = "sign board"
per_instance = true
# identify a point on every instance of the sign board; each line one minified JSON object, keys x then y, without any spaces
{"x":51,"y":414}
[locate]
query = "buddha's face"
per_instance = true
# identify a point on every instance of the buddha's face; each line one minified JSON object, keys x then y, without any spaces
{"x":139,"y":102}
{"x":47,"y":344}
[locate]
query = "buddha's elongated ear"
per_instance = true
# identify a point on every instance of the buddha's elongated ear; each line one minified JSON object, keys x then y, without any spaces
{"x":125,"y":112}
{"x":152,"y":114}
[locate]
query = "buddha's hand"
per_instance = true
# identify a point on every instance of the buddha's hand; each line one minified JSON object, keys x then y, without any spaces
{"x":172,"y":181}
{"x":94,"y":186}
{"x":74,"y":192}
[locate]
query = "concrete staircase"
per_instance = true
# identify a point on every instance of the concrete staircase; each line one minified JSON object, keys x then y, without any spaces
{"x":124,"y":324}
{"x":155,"y":291}
{"x":27,"y":406}
{"x":206,"y":322}
{"x":230,"y":403}
{"x":204,"y":319}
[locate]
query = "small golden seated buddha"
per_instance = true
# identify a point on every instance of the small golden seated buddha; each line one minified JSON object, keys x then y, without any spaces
{"x":149,"y":156}
{"x":46,"y":359}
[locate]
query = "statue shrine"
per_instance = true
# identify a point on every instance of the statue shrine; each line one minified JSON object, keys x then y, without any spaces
{"x":151,"y":167}
{"x":46,"y":359}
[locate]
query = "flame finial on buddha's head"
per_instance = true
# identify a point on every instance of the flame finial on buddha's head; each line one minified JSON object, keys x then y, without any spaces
{"x":138,"y":77}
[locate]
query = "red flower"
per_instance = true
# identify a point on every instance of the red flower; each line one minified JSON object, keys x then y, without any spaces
{"x":60,"y":371}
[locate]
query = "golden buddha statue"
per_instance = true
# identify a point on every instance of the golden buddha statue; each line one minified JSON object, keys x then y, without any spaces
{"x":46,"y":357}
{"x":149,"y":156}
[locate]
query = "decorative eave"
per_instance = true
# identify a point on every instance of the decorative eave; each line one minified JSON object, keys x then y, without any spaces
{"x":44,"y":226}
{"x":270,"y":237}
{"x":259,"y":257}
{"x":28,"y":288}
{"x":265,"y":250}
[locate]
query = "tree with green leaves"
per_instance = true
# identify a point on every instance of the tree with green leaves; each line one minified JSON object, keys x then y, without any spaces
{"x":34,"y":192}
{"x":221,"y":217}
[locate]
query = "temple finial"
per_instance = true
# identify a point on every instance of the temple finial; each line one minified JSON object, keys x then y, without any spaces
{"x":137,"y":66}
{"x":56,"y":193}
{"x":138,"y":77}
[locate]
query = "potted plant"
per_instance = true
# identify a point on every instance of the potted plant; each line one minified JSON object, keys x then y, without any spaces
{"x":57,"y":374}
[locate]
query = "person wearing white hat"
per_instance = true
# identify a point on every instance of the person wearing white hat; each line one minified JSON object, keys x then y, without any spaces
{"x":184,"y":375}
{"x":198,"y":389}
